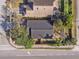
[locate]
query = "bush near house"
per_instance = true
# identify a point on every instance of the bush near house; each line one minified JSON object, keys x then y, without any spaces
{"x":20,"y":36}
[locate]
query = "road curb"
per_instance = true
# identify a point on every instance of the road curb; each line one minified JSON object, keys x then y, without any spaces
{"x":14,"y":45}
{"x":41,"y":47}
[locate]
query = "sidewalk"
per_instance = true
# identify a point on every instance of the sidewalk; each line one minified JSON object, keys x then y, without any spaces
{"x":76,"y":48}
{"x":4,"y":44}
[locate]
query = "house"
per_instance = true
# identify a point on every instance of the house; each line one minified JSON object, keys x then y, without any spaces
{"x":38,"y":29}
{"x":37,"y":8}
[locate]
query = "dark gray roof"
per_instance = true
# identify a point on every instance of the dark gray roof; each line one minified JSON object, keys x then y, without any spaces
{"x":43,"y":2}
{"x":39,"y":24}
{"x":40,"y":28}
{"x":41,"y":33}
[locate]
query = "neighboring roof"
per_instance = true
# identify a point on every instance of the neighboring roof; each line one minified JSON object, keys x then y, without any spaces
{"x":28,"y":6}
{"x":39,"y":24}
{"x":43,"y":2}
{"x":30,"y":3}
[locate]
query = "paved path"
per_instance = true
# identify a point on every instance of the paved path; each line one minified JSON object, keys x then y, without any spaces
{"x":4,"y":44}
{"x":77,"y":25}
{"x":77,"y":19}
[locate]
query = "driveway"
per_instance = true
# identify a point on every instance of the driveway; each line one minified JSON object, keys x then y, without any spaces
{"x":77,"y":19}
{"x":77,"y":25}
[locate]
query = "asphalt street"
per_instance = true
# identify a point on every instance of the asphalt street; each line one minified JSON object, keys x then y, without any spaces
{"x":35,"y":52}
{"x":41,"y":54}
{"x":41,"y":57}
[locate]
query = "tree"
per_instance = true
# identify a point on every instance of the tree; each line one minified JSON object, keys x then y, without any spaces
{"x":58,"y":24}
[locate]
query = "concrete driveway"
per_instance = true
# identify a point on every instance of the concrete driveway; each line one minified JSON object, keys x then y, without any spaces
{"x":77,"y":19}
{"x":77,"y":25}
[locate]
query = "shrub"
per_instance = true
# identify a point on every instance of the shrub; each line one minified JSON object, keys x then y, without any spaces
{"x":21,"y":36}
{"x":68,"y":41}
{"x":58,"y":42}
{"x":29,"y":43}
{"x":74,"y":41}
